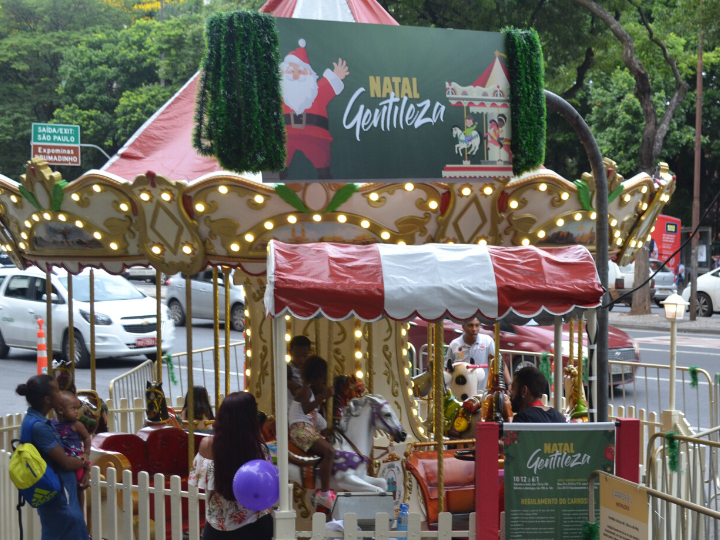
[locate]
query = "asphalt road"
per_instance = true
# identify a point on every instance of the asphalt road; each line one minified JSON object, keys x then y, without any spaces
{"x":649,"y":391}
{"x":22,"y":364}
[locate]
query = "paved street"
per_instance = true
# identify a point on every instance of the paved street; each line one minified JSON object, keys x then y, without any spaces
{"x":650,"y":390}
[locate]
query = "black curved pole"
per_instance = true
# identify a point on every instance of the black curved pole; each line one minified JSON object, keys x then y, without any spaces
{"x":558,"y":104}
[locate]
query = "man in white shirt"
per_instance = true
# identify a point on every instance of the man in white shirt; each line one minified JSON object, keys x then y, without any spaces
{"x":473,"y":347}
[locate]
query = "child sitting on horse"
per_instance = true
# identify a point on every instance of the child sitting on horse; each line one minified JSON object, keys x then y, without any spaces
{"x":299,"y":353}
{"x":306,"y":423}
{"x":202,"y":410}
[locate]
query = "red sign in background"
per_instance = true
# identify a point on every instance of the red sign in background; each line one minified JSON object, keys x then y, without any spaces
{"x":667,"y":239}
{"x":56,"y":154}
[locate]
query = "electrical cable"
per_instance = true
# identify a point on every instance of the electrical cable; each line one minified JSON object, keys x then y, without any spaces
{"x":707,"y":210}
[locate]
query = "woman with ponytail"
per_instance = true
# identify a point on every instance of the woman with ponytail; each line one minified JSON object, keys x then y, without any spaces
{"x":61,"y":518}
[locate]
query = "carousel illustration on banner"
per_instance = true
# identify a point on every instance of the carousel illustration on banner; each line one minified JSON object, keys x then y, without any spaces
{"x":178,"y":221}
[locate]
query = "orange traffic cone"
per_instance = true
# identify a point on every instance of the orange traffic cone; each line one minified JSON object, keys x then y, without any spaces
{"x":42,"y":359}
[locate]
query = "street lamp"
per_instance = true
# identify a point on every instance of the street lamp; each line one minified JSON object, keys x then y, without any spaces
{"x":674,"y":311}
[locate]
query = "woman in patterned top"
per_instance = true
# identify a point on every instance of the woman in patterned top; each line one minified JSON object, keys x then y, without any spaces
{"x":236,"y":441}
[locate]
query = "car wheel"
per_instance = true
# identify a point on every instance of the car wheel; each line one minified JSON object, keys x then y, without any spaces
{"x":237,"y":318}
{"x":704,"y":305}
{"x":4,"y":349}
{"x":519,"y":362}
{"x":82,"y":356}
{"x":177,"y":313}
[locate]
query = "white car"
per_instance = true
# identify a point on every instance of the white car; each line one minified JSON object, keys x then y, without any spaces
{"x":125,"y":319}
{"x":708,"y":293}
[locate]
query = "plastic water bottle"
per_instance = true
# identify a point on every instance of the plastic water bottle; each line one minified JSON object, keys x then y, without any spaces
{"x":402,"y":519}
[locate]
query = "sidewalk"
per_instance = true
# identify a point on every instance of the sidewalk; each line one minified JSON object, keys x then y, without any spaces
{"x":702,"y":325}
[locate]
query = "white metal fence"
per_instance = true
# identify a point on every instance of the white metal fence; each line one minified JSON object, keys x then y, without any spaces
{"x":132,"y":384}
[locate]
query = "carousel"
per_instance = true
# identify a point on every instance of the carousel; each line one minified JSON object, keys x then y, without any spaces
{"x":349,"y":266}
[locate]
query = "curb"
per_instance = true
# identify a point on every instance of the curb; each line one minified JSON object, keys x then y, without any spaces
{"x":680,"y":330}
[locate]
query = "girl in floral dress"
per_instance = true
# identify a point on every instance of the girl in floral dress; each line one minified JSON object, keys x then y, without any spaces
{"x":236,"y":441}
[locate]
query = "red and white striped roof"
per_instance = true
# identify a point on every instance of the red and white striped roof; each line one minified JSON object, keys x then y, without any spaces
{"x":430,"y":281}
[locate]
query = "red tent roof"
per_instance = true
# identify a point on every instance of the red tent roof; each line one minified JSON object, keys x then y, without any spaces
{"x":164,"y":143}
{"x":431,"y":281}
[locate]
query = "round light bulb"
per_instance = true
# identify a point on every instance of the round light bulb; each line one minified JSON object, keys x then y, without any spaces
{"x":268,"y":225}
{"x":487,"y":190}
{"x":542,"y":187}
{"x":259,"y":199}
{"x":482,"y":242}
{"x":75,"y":197}
{"x":374,"y":196}
{"x":358,"y":334}
{"x":364,"y":223}
{"x":157,"y":250}
{"x":525,"y":242}
{"x":578,"y":216}
{"x":97,"y":235}
{"x":187,"y":250}
{"x":97,"y":188}
{"x":560,"y":222}
{"x":342,"y":218}
{"x":124,"y":207}
{"x":401,"y":243}
{"x":541,"y":234}
{"x":358,"y":354}
{"x":409,"y":187}
{"x":385,"y":235}
{"x":166,"y":196}
{"x":249,"y":237}
{"x":317,"y":217}
{"x":466,"y":191}
{"x":235,"y":247}
{"x":433,"y":205}
{"x":513,"y":204}
{"x":200,"y":207}
{"x":292,"y":219}
{"x":223,"y":189}
{"x":113,"y":245}
{"x":79,"y":224}
{"x":359,"y":374}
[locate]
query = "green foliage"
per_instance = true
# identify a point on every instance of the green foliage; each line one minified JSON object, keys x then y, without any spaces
{"x":136,"y":106}
{"x":616,"y":120}
{"x":341,"y":197}
{"x":545,"y":367}
{"x":527,"y":98}
{"x":672,"y":449}
{"x":57,"y":196}
{"x":615,"y":193}
{"x":292,"y":198}
{"x":30,"y":197}
{"x":591,"y":531}
{"x":693,"y":377}
{"x":583,"y":195}
{"x":239,"y":106}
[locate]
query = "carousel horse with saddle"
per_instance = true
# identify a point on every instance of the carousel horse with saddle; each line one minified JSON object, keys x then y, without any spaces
{"x":157,"y":411}
{"x":94,"y":412}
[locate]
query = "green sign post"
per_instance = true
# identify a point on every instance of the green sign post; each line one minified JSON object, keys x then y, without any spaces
{"x":547,"y":467}
{"x":58,"y":144}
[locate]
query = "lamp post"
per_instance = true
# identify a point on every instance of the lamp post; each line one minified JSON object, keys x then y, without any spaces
{"x":674,"y":311}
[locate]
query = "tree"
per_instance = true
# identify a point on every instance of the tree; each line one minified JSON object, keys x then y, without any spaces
{"x":34,"y":35}
{"x":112,"y":78}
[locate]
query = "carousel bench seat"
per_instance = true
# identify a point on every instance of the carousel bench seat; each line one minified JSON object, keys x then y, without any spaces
{"x":459,"y":478}
{"x":162,"y":449}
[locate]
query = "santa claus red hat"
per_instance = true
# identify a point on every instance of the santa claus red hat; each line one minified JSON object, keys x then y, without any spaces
{"x":299,"y":56}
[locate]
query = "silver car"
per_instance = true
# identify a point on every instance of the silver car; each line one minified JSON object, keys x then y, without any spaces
{"x":202,"y":299}
{"x":664,"y":281}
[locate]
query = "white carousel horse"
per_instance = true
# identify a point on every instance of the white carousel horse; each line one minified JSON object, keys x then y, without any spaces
{"x":354,"y":440}
{"x":462,"y":141}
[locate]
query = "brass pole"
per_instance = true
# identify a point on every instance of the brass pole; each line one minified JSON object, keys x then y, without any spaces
{"x":439,"y":416}
{"x":329,"y":403}
{"x":370,"y":363}
{"x":48,"y":319}
{"x":190,"y":395}
{"x":216,"y":335}
{"x":226,"y":271}
{"x":92,"y":329}
{"x":158,"y":325}
{"x":71,"y":325}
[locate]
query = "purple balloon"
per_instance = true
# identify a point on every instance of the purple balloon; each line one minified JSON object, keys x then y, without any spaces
{"x":257,"y":485}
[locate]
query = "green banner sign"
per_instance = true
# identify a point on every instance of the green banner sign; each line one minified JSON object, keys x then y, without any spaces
{"x":55,"y":134}
{"x":547,"y":467}
{"x":372,"y":102}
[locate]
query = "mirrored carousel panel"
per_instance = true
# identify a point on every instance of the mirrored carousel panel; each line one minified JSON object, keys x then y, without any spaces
{"x":103,"y":221}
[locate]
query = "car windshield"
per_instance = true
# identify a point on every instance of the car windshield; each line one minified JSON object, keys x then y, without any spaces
{"x":107,"y":288}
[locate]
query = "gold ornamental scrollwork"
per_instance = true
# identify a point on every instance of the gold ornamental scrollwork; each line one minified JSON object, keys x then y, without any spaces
{"x":300,"y":499}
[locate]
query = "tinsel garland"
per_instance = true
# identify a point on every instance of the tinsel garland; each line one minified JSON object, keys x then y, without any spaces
{"x":672,"y":449}
{"x":239,"y":118}
{"x":171,"y":368}
{"x":693,"y":376}
{"x":591,"y":531}
{"x":544,"y":366}
{"x":527,"y":98}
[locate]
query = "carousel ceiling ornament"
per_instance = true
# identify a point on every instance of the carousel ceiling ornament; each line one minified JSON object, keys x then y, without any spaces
{"x":101,"y":220}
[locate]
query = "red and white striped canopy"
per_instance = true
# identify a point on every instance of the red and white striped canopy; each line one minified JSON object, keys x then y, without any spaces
{"x":431,"y":281}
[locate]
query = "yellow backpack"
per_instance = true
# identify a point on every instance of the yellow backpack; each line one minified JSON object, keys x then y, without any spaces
{"x":37,"y":483}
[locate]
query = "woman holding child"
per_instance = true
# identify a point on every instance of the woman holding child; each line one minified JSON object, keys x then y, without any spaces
{"x":61,"y":517}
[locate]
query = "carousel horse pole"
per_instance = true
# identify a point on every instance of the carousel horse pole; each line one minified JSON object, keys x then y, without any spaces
{"x":48,"y":318}
{"x":71,"y":325}
{"x":92,"y":330}
{"x":158,"y":326}
{"x":438,"y":394}
{"x":191,"y":394}
{"x":227,"y":331}
{"x":216,"y":336}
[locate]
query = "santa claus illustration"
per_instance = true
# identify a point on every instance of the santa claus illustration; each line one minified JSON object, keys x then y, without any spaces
{"x":305,"y":101}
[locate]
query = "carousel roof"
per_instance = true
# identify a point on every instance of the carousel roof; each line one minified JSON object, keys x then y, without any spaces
{"x":430,"y":281}
{"x":164,"y":142}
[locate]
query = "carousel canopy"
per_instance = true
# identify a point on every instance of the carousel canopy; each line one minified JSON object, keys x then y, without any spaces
{"x":430,"y":281}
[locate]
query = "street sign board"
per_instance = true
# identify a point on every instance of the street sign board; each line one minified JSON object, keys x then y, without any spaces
{"x":55,"y":134}
{"x":58,"y":144}
{"x":56,"y":154}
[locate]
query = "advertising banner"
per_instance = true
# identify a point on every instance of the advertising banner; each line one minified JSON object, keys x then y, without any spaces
{"x":667,"y":240}
{"x":547,"y":467}
{"x":624,"y":510}
{"x":372,"y":102}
